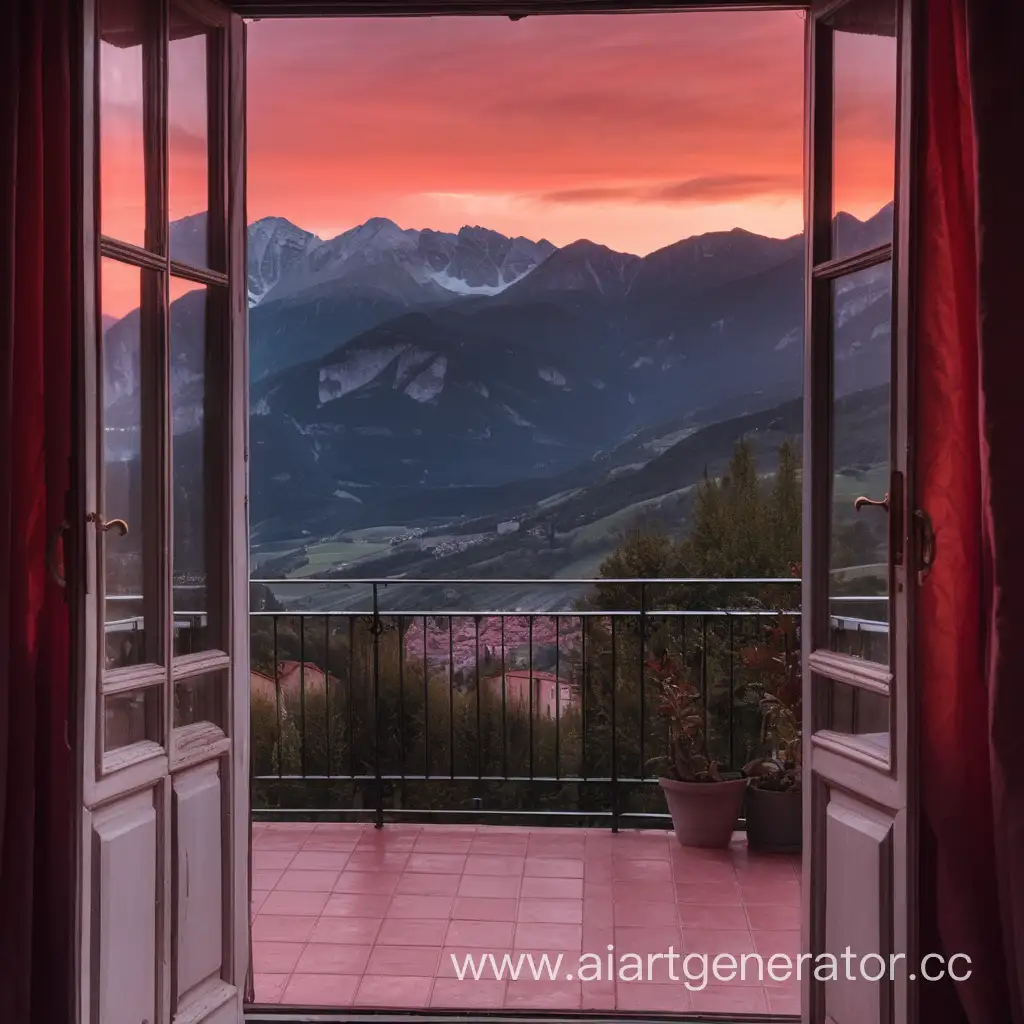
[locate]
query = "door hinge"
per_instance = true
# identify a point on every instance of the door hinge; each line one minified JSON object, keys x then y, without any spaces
{"x":245,"y":453}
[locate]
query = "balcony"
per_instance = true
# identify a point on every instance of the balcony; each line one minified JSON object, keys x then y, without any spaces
{"x":509,"y":762}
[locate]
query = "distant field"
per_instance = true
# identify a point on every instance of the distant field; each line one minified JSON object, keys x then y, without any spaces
{"x":331,"y":554}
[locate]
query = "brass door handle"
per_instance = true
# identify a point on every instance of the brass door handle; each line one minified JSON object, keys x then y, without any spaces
{"x":873,"y":502}
{"x":105,"y":525}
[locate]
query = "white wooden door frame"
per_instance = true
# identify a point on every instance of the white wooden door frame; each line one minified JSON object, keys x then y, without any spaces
{"x":848,"y":780}
{"x":143,"y":805}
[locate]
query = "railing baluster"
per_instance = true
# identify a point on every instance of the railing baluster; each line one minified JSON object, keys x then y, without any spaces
{"x":643,"y":675}
{"x":584,"y":687}
{"x":732,"y":694}
{"x":530,"y":687}
{"x":451,"y":698}
{"x":558,"y":694}
{"x":351,"y":699}
{"x":379,"y":787}
{"x":302,"y":692}
{"x":426,"y":705}
{"x":479,"y":735}
{"x":615,"y":746}
{"x":401,"y":695}
{"x":504,"y":723}
{"x":327,"y":691}
{"x":277,"y":695}
{"x":704,"y":674}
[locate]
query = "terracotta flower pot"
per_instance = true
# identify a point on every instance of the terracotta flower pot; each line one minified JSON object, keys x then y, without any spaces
{"x":704,"y":813}
{"x":774,"y":820}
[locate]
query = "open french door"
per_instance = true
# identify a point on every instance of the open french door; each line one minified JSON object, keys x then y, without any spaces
{"x":157,"y":518}
{"x":859,"y":834}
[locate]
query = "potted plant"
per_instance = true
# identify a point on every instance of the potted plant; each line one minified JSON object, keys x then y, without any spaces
{"x":774,"y":799}
{"x":703,"y":805}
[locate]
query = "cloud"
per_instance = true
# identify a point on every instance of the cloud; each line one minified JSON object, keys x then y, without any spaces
{"x":709,"y":188}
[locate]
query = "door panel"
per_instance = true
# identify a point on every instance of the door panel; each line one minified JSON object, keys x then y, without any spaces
{"x":859,"y":849}
{"x":198,"y":878}
{"x":162,"y":598}
{"x":126,"y":870}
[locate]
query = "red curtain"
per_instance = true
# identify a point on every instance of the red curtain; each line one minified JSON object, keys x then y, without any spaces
{"x":36,"y":922}
{"x":970,"y":466}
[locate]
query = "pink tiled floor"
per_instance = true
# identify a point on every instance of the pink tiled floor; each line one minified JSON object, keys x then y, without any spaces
{"x":346,"y":915}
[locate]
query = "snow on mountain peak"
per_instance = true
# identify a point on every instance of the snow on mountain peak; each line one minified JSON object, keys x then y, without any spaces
{"x":473,"y":261}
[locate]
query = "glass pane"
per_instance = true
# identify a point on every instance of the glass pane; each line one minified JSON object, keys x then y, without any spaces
{"x":122,"y":28}
{"x":188,"y":139}
{"x":191,"y":485}
{"x":200,"y":699}
{"x":859,"y":543}
{"x":864,"y":127}
{"x":856,"y":712}
{"x":125,"y":360}
{"x":131,"y":717}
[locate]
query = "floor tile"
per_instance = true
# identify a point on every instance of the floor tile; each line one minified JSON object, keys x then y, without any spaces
{"x":543,"y":995}
{"x":393,"y":991}
{"x":557,"y":936}
{"x":553,"y":867}
{"x":307,"y":881}
{"x":487,"y":864}
{"x":421,"y":907}
{"x":408,"y":932}
{"x":269,"y":987}
{"x":637,"y":914}
{"x":374,"y":861}
{"x":424,"y":884}
{"x":451,"y":993}
{"x":442,"y":863}
{"x":356,"y":904}
{"x":369,"y":882}
{"x":275,"y":957}
{"x":294,"y":903}
{"x":318,"y":860}
{"x":282,"y":928}
{"x":643,"y":871}
{"x":769,"y":943}
{"x":717,"y":893}
{"x":729,"y":999}
{"x":697,"y":915}
{"x":320,"y":990}
{"x":355,"y":931}
{"x":493,"y":936}
{"x":773,"y":917}
{"x":484,"y":908}
{"x":558,"y":888}
{"x":421,"y":961}
{"x":494,"y":886}
{"x":332,"y":958}
{"x":272,"y":860}
{"x":552,"y":911}
{"x":652,"y":996}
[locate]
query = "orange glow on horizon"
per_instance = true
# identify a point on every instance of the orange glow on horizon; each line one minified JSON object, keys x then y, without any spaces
{"x":633,"y":131}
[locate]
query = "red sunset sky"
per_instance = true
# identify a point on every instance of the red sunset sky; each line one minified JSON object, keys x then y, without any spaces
{"x":634,"y":131}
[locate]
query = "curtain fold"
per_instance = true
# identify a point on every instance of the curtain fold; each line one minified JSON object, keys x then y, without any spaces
{"x":970,"y":475}
{"x":35,"y":419}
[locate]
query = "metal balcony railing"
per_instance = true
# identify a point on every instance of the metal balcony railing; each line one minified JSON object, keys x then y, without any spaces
{"x":379,"y":710}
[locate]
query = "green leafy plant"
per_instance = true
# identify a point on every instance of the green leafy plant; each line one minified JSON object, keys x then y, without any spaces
{"x":777,"y":690}
{"x":681,"y":705}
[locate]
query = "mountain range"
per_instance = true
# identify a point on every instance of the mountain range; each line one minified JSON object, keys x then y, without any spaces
{"x":389,"y":363}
